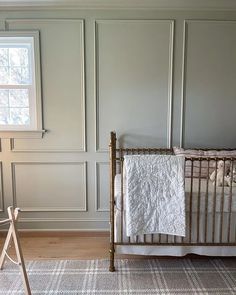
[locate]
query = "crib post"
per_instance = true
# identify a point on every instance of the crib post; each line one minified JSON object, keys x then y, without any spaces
{"x":112,"y":150}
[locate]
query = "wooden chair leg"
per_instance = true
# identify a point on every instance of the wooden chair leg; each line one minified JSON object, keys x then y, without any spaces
{"x":13,"y":234}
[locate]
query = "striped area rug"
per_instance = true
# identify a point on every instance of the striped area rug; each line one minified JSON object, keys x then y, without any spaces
{"x":152,"y":276}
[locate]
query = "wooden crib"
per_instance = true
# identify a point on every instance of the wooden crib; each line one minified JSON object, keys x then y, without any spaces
{"x":210,"y":210}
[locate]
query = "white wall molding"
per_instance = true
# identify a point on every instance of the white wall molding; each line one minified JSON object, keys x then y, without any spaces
{"x":183,"y":85}
{"x":122,"y":4}
{"x":51,"y":209}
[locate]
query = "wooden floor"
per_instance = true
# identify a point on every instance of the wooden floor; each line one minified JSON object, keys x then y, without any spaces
{"x":66,"y":246}
{"x":63,"y":245}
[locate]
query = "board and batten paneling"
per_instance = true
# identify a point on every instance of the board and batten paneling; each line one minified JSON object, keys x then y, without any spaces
{"x":134,"y":81}
{"x":209,"y":88}
{"x":62,"y":59}
{"x":45,"y":186}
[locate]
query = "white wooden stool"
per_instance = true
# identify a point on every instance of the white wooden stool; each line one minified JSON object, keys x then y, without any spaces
{"x":13,"y":235}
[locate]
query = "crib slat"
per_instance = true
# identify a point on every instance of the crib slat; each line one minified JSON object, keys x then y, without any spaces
{"x":167,"y":238}
{"x":206,"y":200}
{"x":174,"y":239}
{"x":122,"y":199}
{"x":214,"y":205}
{"x":230,"y":200}
{"x":222,"y":205}
{"x":199,"y":200}
{"x":191,"y":203}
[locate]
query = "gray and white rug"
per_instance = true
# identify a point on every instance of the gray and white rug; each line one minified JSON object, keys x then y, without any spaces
{"x":152,"y":276}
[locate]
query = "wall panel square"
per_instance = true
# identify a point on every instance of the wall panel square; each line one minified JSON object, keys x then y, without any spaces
{"x":134,"y":81}
{"x":209,"y":95}
{"x":49,"y":186}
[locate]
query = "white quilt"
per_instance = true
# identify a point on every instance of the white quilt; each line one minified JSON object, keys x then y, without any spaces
{"x":155,"y":194}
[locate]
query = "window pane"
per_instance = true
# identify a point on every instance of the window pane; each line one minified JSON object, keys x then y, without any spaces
{"x":19,"y":98}
{"x":19,"y":75}
{"x":4,"y":97}
{"x":4,"y":75}
{"x":19,"y":57}
{"x":25,"y":73}
{"x":3,"y":56}
{"x":4,"y":116}
{"x":19,"y":116}
{"x":14,"y":66}
{"x":14,"y":116}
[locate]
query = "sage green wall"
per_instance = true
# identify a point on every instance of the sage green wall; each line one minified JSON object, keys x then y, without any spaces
{"x":159,"y":78}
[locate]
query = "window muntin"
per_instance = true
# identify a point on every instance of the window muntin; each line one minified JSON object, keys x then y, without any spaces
{"x":18,"y":95}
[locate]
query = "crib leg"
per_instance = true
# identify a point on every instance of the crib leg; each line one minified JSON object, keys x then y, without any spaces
{"x":112,"y":252}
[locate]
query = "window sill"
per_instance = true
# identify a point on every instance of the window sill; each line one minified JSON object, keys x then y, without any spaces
{"x":22,"y":134}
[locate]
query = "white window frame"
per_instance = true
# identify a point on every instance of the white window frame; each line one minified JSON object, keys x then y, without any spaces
{"x":35,"y":129}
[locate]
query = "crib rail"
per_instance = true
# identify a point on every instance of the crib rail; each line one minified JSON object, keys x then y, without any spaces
{"x":210,"y":219}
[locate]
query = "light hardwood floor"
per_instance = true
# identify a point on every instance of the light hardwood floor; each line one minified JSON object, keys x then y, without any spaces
{"x":66,"y":245}
{"x":63,"y":245}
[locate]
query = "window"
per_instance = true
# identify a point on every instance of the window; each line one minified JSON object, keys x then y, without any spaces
{"x":20,"y":87}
